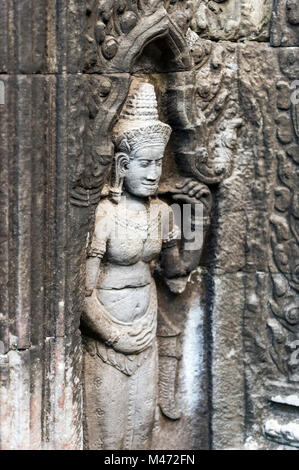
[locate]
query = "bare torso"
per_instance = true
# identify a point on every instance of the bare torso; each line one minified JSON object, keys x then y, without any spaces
{"x":134,"y":241}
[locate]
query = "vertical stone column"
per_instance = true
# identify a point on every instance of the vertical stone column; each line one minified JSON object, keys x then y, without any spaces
{"x":282,"y":423}
{"x":40,"y":342}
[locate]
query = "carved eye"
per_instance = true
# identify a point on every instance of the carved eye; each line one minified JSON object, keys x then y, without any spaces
{"x":144,"y":163}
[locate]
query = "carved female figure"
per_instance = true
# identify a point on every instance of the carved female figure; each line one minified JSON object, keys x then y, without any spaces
{"x":132,"y":229}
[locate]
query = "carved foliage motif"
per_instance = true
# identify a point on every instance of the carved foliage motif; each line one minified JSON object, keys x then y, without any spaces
{"x":217,"y":102}
{"x":284,"y":322}
{"x":101,"y":98}
{"x":116,"y":30}
{"x":116,"y":35}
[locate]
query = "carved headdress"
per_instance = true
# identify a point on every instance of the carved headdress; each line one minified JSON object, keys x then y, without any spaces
{"x":139,"y":125}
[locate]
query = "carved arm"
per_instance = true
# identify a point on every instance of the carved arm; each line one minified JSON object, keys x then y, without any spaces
{"x":179,"y":258}
{"x":92,"y":270}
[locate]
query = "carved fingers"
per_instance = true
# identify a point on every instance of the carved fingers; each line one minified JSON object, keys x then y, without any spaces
{"x":143,"y":334}
{"x":185,"y":198}
{"x":192,"y":191}
{"x":130,"y":343}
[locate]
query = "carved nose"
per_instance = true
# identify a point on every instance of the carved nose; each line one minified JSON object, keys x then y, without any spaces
{"x":152,"y":176}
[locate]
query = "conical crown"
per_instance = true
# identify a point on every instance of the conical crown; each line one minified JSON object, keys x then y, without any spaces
{"x":139,"y":125}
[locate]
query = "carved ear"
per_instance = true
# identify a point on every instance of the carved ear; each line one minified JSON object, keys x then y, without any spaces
{"x":122,"y":161}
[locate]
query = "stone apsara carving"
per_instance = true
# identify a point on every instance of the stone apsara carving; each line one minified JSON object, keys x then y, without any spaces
{"x":123,"y":37}
{"x":120,"y":315}
{"x":116,"y":34}
{"x":75,"y":158}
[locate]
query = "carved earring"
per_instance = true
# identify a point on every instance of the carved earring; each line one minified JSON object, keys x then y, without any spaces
{"x":121,"y":163}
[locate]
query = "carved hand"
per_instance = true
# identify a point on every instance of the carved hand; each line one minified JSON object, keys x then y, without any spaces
{"x":192,"y":191}
{"x":132,"y":342}
{"x":188,"y":190}
{"x":126,"y":339}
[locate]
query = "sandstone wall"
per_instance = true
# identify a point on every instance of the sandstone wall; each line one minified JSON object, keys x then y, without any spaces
{"x":226,"y":73}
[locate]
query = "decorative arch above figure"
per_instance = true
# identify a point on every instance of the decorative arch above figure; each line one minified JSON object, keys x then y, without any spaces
{"x":110,"y":25}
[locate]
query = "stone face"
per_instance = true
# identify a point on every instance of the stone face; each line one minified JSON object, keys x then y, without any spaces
{"x":223,"y":369}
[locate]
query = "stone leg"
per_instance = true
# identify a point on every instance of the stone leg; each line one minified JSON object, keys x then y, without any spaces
{"x":119,"y":409}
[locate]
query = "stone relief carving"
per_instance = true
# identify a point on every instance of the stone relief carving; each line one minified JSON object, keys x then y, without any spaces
{"x":104,"y":100}
{"x":121,"y":38}
{"x":284,"y":323}
{"x":202,"y":109}
{"x":211,"y":63}
{"x":116,"y":34}
{"x":71,"y":75}
{"x":232,"y":19}
{"x":286,"y":434}
{"x":217,"y":103}
{"x":115,"y":31}
{"x":120,"y":318}
{"x":284,"y":23}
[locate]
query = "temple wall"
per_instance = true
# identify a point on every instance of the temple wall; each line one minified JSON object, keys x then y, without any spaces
{"x":225,"y":72}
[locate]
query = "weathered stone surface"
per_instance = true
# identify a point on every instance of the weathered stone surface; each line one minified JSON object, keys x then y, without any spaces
{"x":283,"y":286}
{"x":232,"y":19}
{"x":32,"y":294}
{"x":41,"y":37}
{"x":228,"y":360}
{"x":191,"y":316}
{"x":248,"y":237}
{"x":228,"y":417}
{"x":37,"y":412}
{"x":285,"y":23}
